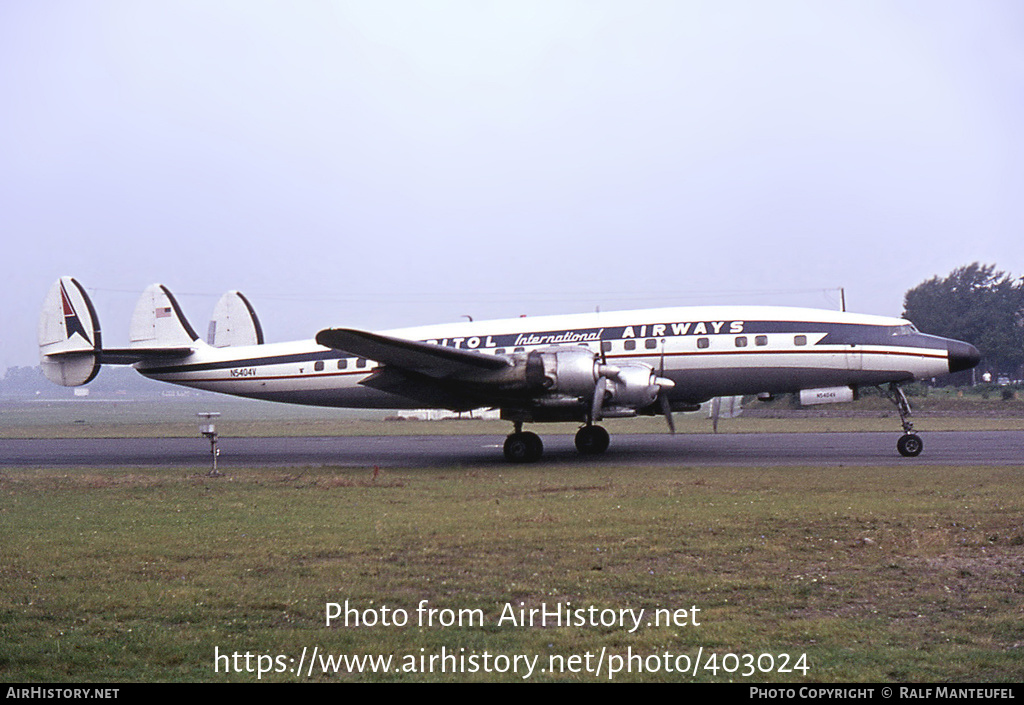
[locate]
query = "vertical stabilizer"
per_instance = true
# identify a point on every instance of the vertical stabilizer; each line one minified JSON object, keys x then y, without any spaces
{"x":234,"y":322}
{"x":69,"y":335}
{"x":158,"y":321}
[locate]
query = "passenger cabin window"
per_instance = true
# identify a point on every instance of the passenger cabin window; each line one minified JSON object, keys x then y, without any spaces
{"x":800,"y":340}
{"x":606,"y":346}
{"x":650,"y":343}
{"x":629,"y":345}
{"x":741,"y":341}
{"x":318,"y":366}
{"x":342,"y":364}
{"x":703,"y":342}
{"x":499,"y":351}
{"x":761,"y":340}
{"x":360,"y":362}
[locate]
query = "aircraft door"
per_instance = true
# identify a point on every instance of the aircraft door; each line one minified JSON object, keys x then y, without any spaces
{"x":854,"y":358}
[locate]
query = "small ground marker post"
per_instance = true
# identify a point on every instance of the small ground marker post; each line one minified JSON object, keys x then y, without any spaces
{"x":209,"y":430}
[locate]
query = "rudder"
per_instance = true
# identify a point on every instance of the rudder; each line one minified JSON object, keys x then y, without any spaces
{"x":158,"y":321}
{"x":234,"y":322}
{"x":69,"y":335}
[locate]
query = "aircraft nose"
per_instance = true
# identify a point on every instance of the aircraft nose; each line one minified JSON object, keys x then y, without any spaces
{"x":962,"y":356}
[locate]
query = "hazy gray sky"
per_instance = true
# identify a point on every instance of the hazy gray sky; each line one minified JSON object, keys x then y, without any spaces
{"x":381,"y":164}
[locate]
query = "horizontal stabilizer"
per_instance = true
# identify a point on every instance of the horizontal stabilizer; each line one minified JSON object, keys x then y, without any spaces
{"x":69,"y":335}
{"x":234,"y":322}
{"x":158,"y":321}
{"x":426,"y":358}
{"x":129,"y":356}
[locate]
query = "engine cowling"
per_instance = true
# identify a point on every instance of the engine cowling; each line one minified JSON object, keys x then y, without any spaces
{"x":635,"y":386}
{"x":571,"y":372}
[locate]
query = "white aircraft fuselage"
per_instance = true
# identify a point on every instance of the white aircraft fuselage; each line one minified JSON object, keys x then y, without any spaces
{"x":705,"y":351}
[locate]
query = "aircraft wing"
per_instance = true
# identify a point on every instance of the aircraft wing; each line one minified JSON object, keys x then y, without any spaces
{"x":436,"y":361}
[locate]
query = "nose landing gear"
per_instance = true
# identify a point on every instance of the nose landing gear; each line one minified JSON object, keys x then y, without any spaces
{"x":910,"y":444}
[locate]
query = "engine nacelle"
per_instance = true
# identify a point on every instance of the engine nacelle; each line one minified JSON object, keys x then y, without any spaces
{"x":636,"y":386}
{"x":568,"y":371}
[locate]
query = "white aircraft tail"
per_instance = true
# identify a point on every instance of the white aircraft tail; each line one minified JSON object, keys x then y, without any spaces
{"x":69,"y":335}
{"x":158,"y":321}
{"x":234,"y":322}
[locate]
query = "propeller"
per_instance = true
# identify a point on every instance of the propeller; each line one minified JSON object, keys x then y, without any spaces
{"x":666,"y":409}
{"x":608,"y":374}
{"x":604,"y":373}
{"x":600,"y":390}
{"x":665,"y":384}
{"x":658,"y":387}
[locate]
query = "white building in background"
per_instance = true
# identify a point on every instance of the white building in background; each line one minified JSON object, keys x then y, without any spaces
{"x":442,"y":414}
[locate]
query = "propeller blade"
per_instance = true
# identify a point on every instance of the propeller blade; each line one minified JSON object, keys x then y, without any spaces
{"x":599,"y":391}
{"x":666,"y":409}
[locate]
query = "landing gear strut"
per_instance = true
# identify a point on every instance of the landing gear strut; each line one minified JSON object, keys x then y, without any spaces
{"x":910,"y":444}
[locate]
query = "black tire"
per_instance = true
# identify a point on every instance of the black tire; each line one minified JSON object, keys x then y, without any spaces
{"x":523,"y":447}
{"x":592,"y":440}
{"x":910,"y":445}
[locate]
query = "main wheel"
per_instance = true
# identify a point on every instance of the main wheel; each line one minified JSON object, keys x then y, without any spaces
{"x":592,"y":440}
{"x":910,"y":445}
{"x":523,"y":447}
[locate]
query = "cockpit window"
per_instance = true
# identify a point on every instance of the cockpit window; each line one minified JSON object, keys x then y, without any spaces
{"x":906,"y":329}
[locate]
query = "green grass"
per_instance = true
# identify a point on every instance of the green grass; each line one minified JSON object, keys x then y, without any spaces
{"x":877,"y":574}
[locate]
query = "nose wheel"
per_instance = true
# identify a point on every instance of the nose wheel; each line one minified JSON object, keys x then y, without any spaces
{"x":910,"y":445}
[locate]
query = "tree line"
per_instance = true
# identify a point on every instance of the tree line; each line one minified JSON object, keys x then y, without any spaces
{"x":977,"y":304}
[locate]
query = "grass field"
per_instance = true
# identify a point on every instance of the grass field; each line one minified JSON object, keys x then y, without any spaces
{"x":841,"y":574}
{"x":876,"y":574}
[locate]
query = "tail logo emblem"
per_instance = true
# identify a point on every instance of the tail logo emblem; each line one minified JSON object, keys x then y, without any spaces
{"x":72,"y":324}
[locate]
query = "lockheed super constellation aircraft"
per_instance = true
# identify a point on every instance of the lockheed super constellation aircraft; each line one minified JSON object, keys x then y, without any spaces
{"x":579,"y":367}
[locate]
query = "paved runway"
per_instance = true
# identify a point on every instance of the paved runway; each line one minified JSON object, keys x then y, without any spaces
{"x":742,"y":450}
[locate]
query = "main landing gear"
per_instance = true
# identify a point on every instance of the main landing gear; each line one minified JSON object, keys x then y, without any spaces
{"x":526,"y":447}
{"x":910,"y":444}
{"x":592,"y":440}
{"x":523,"y":446}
